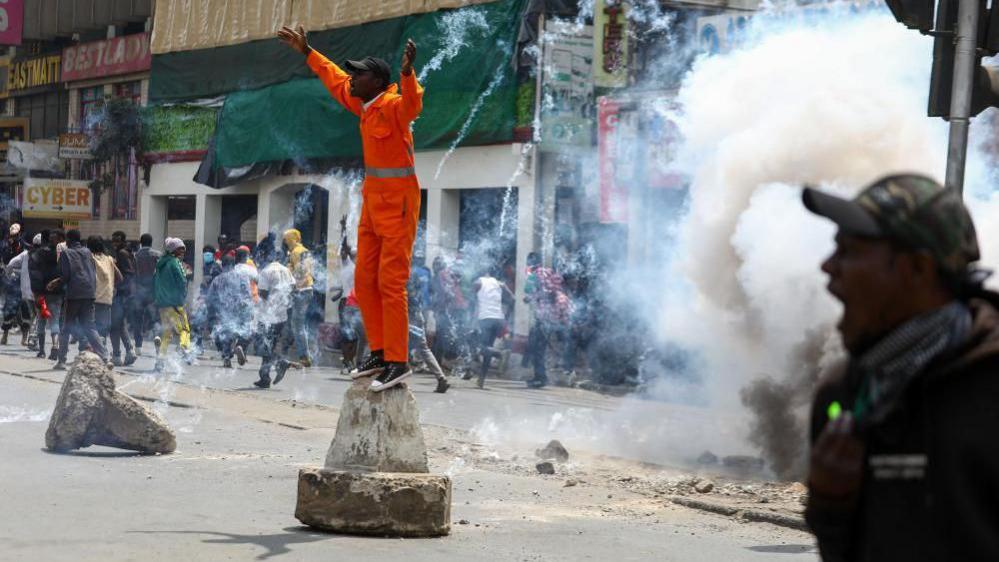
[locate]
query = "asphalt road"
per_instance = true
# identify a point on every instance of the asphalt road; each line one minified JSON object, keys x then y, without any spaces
{"x":229,"y":490}
{"x":505,"y":413}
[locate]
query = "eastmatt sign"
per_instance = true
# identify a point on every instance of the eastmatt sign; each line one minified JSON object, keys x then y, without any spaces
{"x":56,"y":199}
{"x":120,"y":55}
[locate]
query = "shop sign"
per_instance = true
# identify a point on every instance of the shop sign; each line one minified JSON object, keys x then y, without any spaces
{"x":75,"y":146}
{"x":610,"y":49}
{"x":41,"y":155}
{"x":613,"y":186}
{"x":11,"y":21}
{"x":567,"y":106}
{"x":34,"y":72}
{"x":119,"y":55}
{"x":56,"y":199}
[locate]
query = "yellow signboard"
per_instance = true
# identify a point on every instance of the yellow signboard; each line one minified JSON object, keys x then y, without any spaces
{"x":31,"y":73}
{"x":610,"y":44}
{"x":56,"y":199}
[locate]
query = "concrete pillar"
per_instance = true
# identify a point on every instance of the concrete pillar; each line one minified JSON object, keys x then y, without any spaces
{"x":153,"y":218}
{"x":449,"y":221}
{"x":527,"y":241}
{"x":333,"y":234}
{"x":525,"y":245}
{"x":435,"y":200}
{"x":264,"y":211}
{"x":208,"y":224}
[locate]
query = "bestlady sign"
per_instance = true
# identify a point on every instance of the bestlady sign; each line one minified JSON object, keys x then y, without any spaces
{"x":121,"y":55}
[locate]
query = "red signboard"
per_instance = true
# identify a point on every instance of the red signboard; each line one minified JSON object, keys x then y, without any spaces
{"x":121,"y":55}
{"x":613,"y":192}
{"x":11,"y":21}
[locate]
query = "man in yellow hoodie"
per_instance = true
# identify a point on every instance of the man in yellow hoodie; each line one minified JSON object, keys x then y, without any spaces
{"x":300,"y":264}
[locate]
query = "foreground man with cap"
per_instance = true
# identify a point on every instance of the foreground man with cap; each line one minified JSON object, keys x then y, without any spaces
{"x":391,"y":197}
{"x":904,"y":458}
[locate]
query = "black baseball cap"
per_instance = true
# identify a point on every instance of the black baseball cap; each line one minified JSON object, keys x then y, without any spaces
{"x":370,"y":64}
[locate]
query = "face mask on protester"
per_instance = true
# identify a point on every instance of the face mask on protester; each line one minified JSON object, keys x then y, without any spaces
{"x":208,"y":257}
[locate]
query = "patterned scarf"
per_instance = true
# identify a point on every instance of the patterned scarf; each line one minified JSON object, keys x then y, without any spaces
{"x":889,"y":366}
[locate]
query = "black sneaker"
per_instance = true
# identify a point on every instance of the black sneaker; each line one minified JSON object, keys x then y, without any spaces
{"x":130,"y":359}
{"x":227,"y":364}
{"x":393,"y":374}
{"x":40,"y":354}
{"x":374,"y":364}
{"x":262,"y":383}
{"x":116,"y":359}
{"x":240,"y":355}
{"x":282,"y":367}
{"x":59,"y":366}
{"x":537,"y":383}
{"x":54,"y":354}
{"x":442,"y":386}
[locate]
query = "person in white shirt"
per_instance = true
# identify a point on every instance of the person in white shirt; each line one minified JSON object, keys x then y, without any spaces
{"x":17,"y":307}
{"x":275,"y":285}
{"x":489,"y":295}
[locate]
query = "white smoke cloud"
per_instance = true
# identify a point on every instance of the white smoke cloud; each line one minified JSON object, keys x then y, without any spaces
{"x":835,"y":101}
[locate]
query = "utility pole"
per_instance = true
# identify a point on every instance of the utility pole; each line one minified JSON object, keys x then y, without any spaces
{"x":965,"y":62}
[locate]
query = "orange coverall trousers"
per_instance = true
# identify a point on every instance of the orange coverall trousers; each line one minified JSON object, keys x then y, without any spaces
{"x":385,"y":237}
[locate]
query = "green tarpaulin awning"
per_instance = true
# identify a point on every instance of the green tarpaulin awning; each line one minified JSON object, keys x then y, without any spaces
{"x":275,"y":110}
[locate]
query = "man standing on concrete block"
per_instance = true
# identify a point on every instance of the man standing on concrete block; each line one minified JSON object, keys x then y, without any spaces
{"x":391,"y":197}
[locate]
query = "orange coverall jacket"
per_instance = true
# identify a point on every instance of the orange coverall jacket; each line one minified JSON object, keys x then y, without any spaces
{"x":391,"y":204}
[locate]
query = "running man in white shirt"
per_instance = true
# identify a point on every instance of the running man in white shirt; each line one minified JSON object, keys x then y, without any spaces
{"x":489,"y":295}
{"x":275,"y":285}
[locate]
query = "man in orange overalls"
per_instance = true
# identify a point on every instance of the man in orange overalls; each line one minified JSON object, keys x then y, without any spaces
{"x":391,"y":197}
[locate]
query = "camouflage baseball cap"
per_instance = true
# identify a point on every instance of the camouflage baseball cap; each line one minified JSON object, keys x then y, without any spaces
{"x":910,"y":209}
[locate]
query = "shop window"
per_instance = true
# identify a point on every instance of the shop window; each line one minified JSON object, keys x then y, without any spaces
{"x":130,"y":91}
{"x":48,"y":113}
{"x":125,"y":190}
{"x":91,"y":101}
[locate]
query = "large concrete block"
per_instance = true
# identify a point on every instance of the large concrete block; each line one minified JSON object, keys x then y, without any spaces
{"x":89,"y":411}
{"x":374,"y":503}
{"x":378,"y":432}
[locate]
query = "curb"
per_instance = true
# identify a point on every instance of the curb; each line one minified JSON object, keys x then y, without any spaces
{"x":756,"y":515}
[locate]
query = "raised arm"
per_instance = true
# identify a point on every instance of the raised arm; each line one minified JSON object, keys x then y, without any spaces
{"x":411,"y":103}
{"x":332,"y":76}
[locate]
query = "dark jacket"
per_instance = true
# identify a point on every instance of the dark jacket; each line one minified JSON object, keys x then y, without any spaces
{"x":125,"y":262}
{"x":146,"y":260}
{"x":43,"y":268}
{"x":931,"y":471}
{"x":76,"y":267}
{"x":170,"y":282}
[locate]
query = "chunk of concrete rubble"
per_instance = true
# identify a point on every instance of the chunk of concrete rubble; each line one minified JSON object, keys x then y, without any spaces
{"x":375,"y":503}
{"x":378,"y":432}
{"x":376,"y":480}
{"x":743,"y":462}
{"x":553,"y":450}
{"x":703,"y":486}
{"x":545,"y":468}
{"x":707,"y":457}
{"x":89,"y":411}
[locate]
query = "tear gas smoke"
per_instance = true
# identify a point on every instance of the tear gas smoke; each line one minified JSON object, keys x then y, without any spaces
{"x":16,"y":414}
{"x":734,"y":300}
{"x":457,"y":29}
{"x":802,"y":102}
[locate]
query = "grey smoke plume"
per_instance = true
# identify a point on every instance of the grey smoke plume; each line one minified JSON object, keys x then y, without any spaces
{"x":836,"y":100}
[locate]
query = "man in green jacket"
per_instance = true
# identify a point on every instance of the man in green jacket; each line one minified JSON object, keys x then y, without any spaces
{"x":170,"y":291}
